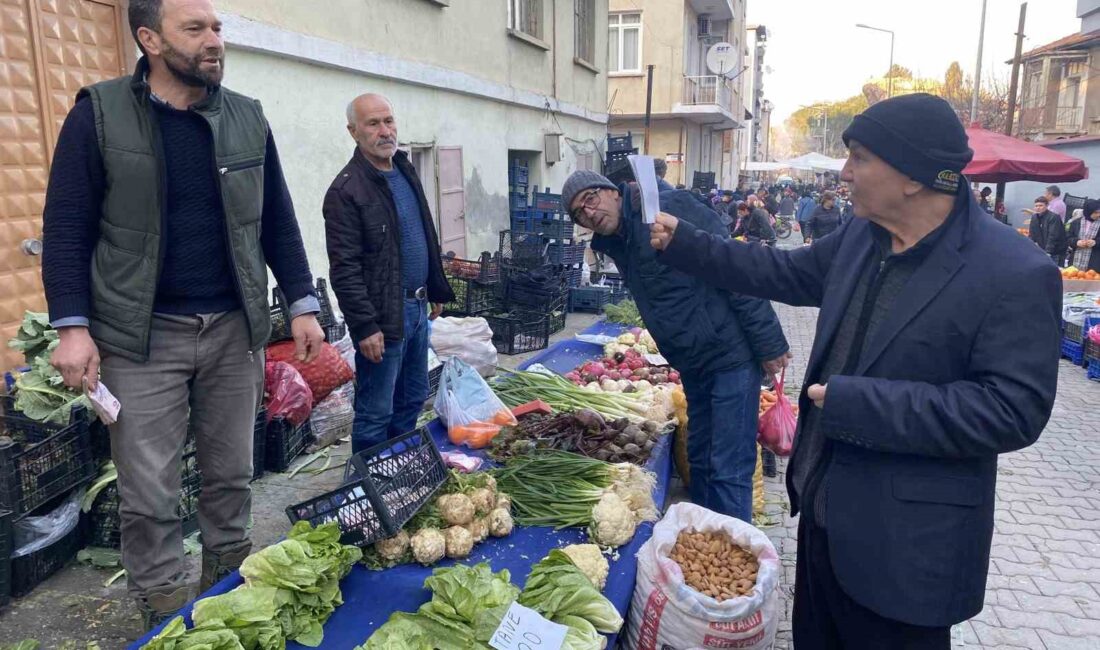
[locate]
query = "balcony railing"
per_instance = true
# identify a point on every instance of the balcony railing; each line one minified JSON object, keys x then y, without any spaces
{"x":1069,"y":118}
{"x":708,"y":90}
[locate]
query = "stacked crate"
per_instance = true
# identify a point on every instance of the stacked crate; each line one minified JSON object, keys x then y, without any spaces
{"x":616,"y":166}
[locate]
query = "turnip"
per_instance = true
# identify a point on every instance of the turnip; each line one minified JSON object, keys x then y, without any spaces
{"x":674,"y":376}
{"x":614,"y":375}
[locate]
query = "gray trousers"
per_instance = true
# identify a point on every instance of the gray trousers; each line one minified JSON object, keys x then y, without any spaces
{"x":199,"y":369}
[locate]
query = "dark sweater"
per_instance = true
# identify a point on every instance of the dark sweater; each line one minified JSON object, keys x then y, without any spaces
{"x":414,"y":244}
{"x":196,"y":275}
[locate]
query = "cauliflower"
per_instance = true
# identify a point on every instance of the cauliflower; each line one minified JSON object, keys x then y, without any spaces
{"x":500,"y":523}
{"x":479,"y":529}
{"x":612,"y":521}
{"x":428,"y":546}
{"x":393,"y":548}
{"x":458,"y":541}
{"x":626,"y":339}
{"x":646,"y":339}
{"x":483,"y":500}
{"x":613,"y":348}
{"x":456,"y":509}
{"x":591,"y":561}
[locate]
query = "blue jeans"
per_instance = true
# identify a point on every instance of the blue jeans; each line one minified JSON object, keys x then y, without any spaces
{"x":390,"y":395}
{"x":722,"y":418}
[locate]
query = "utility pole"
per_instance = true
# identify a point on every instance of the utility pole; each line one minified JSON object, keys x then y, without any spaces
{"x":978,"y":69}
{"x":1013,"y":88}
{"x":648,"y":106}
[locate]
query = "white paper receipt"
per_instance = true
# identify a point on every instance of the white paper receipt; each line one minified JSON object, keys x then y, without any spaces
{"x":646,"y":175}
{"x":525,"y":629}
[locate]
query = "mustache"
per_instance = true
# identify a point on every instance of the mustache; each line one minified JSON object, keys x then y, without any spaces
{"x":381,"y":141}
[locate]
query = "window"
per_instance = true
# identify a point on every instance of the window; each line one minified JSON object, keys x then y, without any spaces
{"x":526,"y":16}
{"x":624,"y":48}
{"x":1033,"y":88}
{"x":585,"y":26}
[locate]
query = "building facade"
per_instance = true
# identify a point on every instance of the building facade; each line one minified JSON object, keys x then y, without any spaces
{"x":692,"y":107}
{"x":475,"y":85}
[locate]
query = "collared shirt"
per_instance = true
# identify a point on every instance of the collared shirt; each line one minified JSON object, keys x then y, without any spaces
{"x":1058,"y":207}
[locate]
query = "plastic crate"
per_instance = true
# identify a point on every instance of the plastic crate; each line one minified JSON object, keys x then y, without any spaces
{"x":1075,"y":352}
{"x":546,"y":201}
{"x":327,"y":317}
{"x":615,"y":158}
{"x":335,"y":332}
{"x":556,"y":320}
{"x":284,"y":443}
{"x":280,"y":318}
{"x":541,"y":299}
{"x":471,"y":297}
{"x":433,"y":381}
{"x":518,"y":175}
{"x":572,"y":276}
{"x":551,"y":225}
{"x":565,"y":254}
{"x":385,"y":486}
{"x":7,"y":545}
{"x":521,"y":250}
{"x":485,"y":270}
{"x":1092,"y":370}
{"x":29,"y":571}
{"x":1092,"y":350}
{"x":617,"y":143}
{"x":259,"y":443}
{"x":190,"y":488}
{"x":590,"y":299}
{"x":619,"y":292}
{"x":1072,"y":332}
{"x":515,"y":333}
{"x":517,"y":200}
{"x":33,"y":473}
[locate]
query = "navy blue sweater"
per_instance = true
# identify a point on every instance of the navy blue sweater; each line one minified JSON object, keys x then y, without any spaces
{"x":196,"y":275}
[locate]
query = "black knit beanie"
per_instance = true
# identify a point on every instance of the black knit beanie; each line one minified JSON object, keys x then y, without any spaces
{"x":919,"y":135}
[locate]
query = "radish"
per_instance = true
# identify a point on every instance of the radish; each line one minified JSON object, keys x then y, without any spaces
{"x":674,"y":376}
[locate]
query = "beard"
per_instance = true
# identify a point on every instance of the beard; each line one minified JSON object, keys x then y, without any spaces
{"x":188,"y":70}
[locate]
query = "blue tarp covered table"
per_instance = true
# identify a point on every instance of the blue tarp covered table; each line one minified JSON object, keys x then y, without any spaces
{"x":370,"y":597}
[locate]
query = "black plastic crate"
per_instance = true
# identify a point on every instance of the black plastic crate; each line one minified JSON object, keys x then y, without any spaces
{"x":284,"y":443}
{"x":29,"y":571}
{"x":620,"y":156}
{"x":522,"y":250}
{"x":433,"y":381}
{"x":540,"y":298}
{"x":327,"y":317}
{"x":280,"y":317}
{"x":551,"y":225}
{"x":565,"y":254}
{"x":385,"y":486}
{"x":471,"y":297}
{"x":33,"y":473}
{"x":546,"y":201}
{"x":335,"y":332}
{"x":485,"y":270}
{"x":259,"y":440}
{"x":556,"y":320}
{"x":17,"y":425}
{"x":100,"y":437}
{"x":518,"y":332}
{"x":591,"y":299}
{"x":617,"y":143}
{"x":572,"y":276}
{"x":7,"y":545}
{"x":619,"y":292}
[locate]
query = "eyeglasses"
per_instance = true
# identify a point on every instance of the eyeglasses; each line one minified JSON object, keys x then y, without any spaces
{"x":589,"y":201}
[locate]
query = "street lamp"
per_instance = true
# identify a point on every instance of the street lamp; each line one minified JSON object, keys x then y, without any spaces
{"x":890,"y":81}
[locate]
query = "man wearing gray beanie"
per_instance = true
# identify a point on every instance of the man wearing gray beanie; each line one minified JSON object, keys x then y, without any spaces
{"x":937,"y":349}
{"x":715,"y":339}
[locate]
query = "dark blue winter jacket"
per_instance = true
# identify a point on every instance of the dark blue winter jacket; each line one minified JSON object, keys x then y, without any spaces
{"x":698,"y":328}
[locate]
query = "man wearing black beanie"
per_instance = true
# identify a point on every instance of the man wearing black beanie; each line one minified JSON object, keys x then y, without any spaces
{"x":937,"y":349}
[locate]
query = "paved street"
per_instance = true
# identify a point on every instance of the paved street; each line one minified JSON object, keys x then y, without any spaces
{"x":1044,"y":576}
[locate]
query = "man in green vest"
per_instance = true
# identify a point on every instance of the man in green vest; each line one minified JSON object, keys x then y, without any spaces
{"x":165,"y":207}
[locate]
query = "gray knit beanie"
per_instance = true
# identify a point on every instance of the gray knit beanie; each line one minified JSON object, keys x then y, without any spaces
{"x":579,"y":181}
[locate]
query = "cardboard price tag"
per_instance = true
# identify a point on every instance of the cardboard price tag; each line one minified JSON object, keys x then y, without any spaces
{"x":525,"y":629}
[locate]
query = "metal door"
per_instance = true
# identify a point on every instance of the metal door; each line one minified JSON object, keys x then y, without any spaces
{"x":49,"y":49}
{"x":452,"y":201}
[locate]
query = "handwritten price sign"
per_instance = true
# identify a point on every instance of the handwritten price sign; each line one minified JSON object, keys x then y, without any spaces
{"x":525,"y":629}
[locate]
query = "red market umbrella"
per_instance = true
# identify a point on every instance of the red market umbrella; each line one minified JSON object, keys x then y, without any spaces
{"x":999,"y":158}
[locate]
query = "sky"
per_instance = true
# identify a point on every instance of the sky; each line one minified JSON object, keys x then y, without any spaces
{"x":816,"y":53}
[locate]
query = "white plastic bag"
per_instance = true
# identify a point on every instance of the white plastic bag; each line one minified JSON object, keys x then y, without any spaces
{"x":464,"y":397}
{"x":332,"y":417}
{"x":346,"y":348}
{"x":36,"y":533}
{"x":469,"y":339}
{"x":666,"y":613}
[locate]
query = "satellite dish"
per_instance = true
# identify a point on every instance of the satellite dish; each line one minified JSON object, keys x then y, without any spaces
{"x":721,"y":58}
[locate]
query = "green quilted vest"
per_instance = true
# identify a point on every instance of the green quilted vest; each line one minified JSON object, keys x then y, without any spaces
{"x":127,"y":260}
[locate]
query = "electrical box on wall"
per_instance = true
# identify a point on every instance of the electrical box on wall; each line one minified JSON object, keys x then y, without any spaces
{"x":553,"y":148}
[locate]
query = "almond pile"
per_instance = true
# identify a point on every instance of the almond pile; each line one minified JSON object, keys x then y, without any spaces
{"x":713,"y":565}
